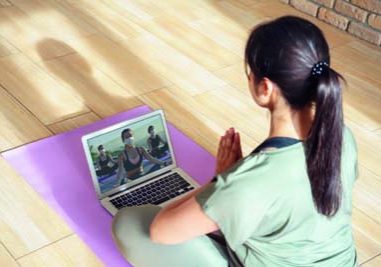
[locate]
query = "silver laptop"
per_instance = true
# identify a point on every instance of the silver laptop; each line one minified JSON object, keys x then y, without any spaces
{"x":132,"y":163}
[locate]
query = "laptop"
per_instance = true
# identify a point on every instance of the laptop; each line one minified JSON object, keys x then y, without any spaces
{"x":132,"y":163}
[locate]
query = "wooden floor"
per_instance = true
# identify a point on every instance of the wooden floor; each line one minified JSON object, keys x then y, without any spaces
{"x":67,"y":63}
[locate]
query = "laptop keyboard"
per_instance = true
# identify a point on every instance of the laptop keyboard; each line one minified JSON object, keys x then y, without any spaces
{"x":157,"y":192}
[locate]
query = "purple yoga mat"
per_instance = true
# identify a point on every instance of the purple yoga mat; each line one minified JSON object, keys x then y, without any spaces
{"x":56,"y":168}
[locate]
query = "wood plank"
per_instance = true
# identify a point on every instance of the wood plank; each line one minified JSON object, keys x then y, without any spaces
{"x":117,"y":61}
{"x":23,"y":32}
{"x":98,"y":91}
{"x":6,"y":48}
{"x":47,"y":99}
{"x":73,"y":123}
{"x":45,"y":17}
{"x":70,"y":251}
{"x":238,"y":13}
{"x":223,"y":22}
{"x":367,"y":194}
{"x":105,"y":20}
{"x":190,"y":42}
{"x":140,"y":11}
{"x":18,"y":125}
{"x":26,"y":222}
{"x":224,"y":32}
{"x":369,"y":147}
{"x":5,"y":3}
{"x":375,"y":262}
{"x":366,"y":233}
{"x":48,"y":12}
{"x":244,"y":3}
{"x":362,"y":102}
{"x":235,"y":76}
{"x":362,"y":96}
{"x":359,"y":59}
{"x":190,"y":11}
{"x":137,"y":10}
{"x":168,"y":62}
{"x":6,"y":259}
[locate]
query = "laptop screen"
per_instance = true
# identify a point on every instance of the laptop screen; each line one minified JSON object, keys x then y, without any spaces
{"x":127,"y":154}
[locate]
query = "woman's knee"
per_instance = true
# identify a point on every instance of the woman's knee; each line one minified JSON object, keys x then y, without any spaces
{"x":131,"y":233}
{"x":132,"y":224}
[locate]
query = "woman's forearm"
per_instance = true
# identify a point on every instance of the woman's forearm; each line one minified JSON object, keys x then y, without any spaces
{"x":152,"y":159}
{"x":178,"y":202}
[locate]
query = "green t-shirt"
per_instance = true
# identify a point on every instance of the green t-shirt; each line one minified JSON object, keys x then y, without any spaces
{"x":264,"y":208}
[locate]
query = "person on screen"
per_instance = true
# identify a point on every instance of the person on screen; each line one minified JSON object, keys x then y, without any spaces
{"x":153,"y":143}
{"x":105,"y":164}
{"x":131,"y":158}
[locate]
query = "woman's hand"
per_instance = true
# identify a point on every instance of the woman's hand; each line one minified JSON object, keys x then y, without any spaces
{"x":229,"y":151}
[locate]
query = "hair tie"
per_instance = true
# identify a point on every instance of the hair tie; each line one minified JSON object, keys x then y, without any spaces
{"x":319,"y":68}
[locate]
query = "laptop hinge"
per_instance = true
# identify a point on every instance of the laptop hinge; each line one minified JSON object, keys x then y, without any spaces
{"x":161,"y":174}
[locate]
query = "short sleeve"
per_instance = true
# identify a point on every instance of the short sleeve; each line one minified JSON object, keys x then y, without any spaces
{"x":240,"y":200}
{"x":354,"y":150}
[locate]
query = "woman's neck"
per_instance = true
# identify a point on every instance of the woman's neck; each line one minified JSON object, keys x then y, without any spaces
{"x":129,"y":148}
{"x":291,"y":123}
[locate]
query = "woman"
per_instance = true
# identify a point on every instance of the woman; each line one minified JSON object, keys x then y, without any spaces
{"x":131,"y":159}
{"x":105,"y":163}
{"x":153,"y":143}
{"x":286,"y":204}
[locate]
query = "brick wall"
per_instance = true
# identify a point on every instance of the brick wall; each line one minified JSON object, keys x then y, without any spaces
{"x":361,"y":18}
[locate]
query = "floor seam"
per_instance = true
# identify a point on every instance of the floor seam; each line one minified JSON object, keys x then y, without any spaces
{"x":45,"y":246}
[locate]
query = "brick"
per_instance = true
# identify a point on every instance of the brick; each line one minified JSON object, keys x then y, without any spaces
{"x":365,"y":33}
{"x":305,"y":6}
{"x":327,"y":3}
{"x":375,"y":21}
{"x":370,"y":5}
{"x":333,"y":18}
{"x":350,"y":10}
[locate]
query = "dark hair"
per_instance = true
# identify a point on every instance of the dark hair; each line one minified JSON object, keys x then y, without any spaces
{"x":150,"y":128}
{"x":123,"y":132}
{"x":100,"y":147}
{"x":285,"y":51}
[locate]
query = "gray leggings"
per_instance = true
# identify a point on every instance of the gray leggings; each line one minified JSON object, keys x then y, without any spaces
{"x":131,"y":233}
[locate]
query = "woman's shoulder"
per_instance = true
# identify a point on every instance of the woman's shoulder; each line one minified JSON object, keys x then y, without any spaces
{"x":349,"y":146}
{"x":348,"y":135}
{"x":254,"y":168}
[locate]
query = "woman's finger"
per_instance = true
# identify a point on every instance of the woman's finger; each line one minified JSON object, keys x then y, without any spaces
{"x":240,"y":155}
{"x":235,"y":146}
{"x":228,"y":143}
{"x":219,"y":146}
{"x":223,"y":148}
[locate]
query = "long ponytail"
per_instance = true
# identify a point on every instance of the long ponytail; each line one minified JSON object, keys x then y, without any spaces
{"x":285,"y":51}
{"x":323,"y":146}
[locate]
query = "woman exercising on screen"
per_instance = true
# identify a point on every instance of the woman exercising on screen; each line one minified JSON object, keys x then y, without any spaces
{"x":154,"y":140}
{"x":131,"y":158}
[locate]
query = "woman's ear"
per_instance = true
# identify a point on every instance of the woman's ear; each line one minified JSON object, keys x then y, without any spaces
{"x":265,"y":93}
